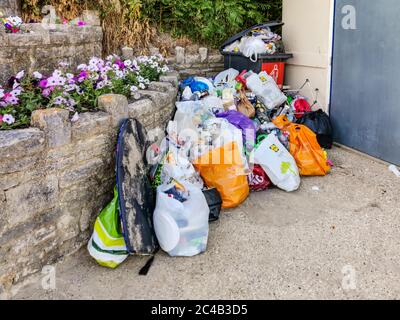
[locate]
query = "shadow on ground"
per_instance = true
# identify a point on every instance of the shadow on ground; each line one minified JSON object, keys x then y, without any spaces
{"x":275,"y":246}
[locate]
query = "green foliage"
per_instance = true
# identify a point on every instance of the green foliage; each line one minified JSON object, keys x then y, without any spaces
{"x":205,"y":21}
{"x":209,"y":21}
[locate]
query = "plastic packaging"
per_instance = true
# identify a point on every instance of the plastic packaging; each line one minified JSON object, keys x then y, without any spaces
{"x":240,"y":121}
{"x":258,"y":179}
{"x":266,"y":89}
{"x":181,"y":227}
{"x":226,"y":77}
{"x":320,"y":123}
{"x":395,"y":170}
{"x":304,"y":147}
{"x":214,"y":202}
{"x":277,"y":163}
{"x":223,"y":168}
{"x":251,"y":47}
{"x":107,"y":244}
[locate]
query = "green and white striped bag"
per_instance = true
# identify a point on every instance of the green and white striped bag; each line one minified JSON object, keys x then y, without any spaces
{"x":107,"y":244}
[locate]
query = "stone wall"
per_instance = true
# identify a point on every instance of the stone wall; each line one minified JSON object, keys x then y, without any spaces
{"x":43,"y":48}
{"x":203,"y":62}
{"x":56,"y":176}
{"x":9,"y":7}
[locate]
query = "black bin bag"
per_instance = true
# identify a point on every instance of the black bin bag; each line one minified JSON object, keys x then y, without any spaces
{"x":320,"y":123}
{"x":214,"y":202}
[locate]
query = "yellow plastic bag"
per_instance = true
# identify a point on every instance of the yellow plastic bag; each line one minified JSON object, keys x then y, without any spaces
{"x":223,"y":168}
{"x":304,"y":147}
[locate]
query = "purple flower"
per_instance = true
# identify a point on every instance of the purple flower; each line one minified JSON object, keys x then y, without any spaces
{"x":82,"y":76}
{"x":120,"y":64}
{"x":81,"y":23}
{"x":43,"y":83}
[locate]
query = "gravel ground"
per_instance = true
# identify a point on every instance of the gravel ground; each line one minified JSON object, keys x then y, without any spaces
{"x":341,"y":242}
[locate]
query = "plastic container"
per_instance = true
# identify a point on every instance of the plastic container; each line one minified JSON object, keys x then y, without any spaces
{"x":273,"y":64}
{"x":182,"y":227}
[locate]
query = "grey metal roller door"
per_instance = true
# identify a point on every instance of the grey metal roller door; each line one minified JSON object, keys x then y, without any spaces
{"x":365,"y":97}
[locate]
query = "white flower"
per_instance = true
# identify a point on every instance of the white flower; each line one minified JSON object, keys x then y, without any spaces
{"x":142,"y":86}
{"x":16,"y":92}
{"x":82,"y":67}
{"x":20,"y":75}
{"x":1,"y":92}
{"x":164,"y":69}
{"x":146,"y":81}
{"x":37,"y":75}
{"x":119,"y":74}
{"x":70,"y":87}
{"x":75,"y":117}
{"x":72,"y":102}
{"x":134,"y":89}
{"x":59,"y":100}
{"x":127,"y":63}
{"x":69,"y":76}
{"x":101,"y":85}
{"x":8,"y":118}
{"x":16,"y":84}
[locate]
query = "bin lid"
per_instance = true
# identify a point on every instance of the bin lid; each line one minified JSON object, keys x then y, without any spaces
{"x":272,"y":25}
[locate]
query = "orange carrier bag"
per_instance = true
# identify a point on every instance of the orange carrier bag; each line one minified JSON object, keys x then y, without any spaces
{"x":223,"y":168}
{"x":304,"y":147}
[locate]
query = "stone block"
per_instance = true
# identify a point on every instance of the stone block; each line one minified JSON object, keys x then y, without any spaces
{"x":203,"y":52}
{"x":160,"y":86}
{"x":141,"y":107}
{"x":115,"y":105}
{"x":56,"y":125}
{"x":191,"y":59}
{"x":214,"y":58}
{"x":21,"y":142}
{"x":158,"y":98}
{"x":180,"y":55}
{"x":81,"y":173}
{"x":67,"y":227}
{"x":8,"y":166}
{"x":154,"y":51}
{"x":90,"y":124}
{"x":27,"y":200}
{"x":173,"y":79}
{"x":127,"y":53}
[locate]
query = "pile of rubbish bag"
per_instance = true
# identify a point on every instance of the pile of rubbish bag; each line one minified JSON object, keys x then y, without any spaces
{"x":260,"y":39}
{"x":231,"y":135}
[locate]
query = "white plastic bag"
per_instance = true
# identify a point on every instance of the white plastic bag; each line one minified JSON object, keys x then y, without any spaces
{"x":179,"y":168}
{"x":251,"y":47}
{"x":266,"y":89}
{"x":226,"y":77}
{"x":181,"y":227}
{"x":277,"y":163}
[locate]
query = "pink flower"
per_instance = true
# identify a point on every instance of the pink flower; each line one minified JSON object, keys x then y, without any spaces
{"x":1,"y":119}
{"x":81,"y":23}
{"x":46,"y":92}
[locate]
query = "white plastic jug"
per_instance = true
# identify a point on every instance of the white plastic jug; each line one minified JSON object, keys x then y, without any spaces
{"x":181,"y":227}
{"x":277,"y":163}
